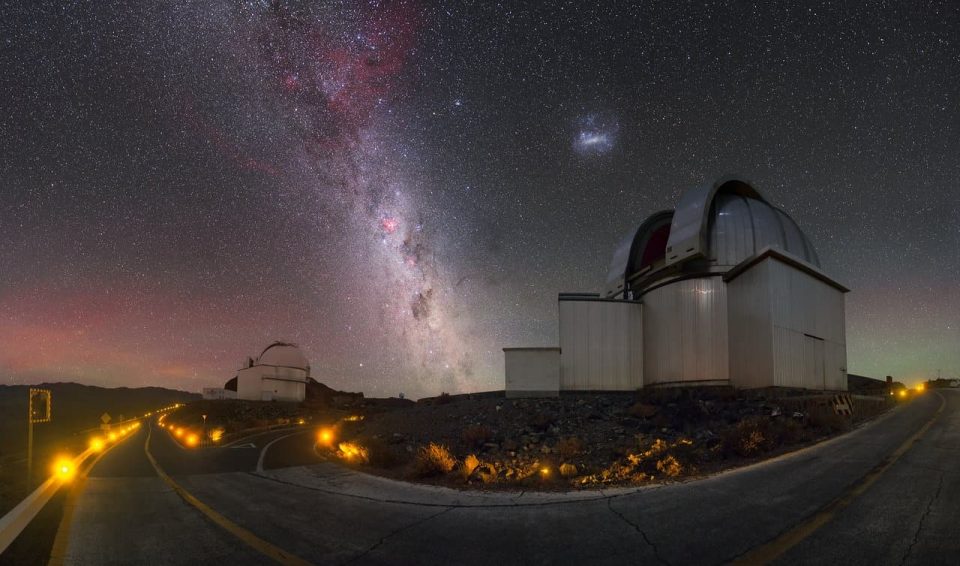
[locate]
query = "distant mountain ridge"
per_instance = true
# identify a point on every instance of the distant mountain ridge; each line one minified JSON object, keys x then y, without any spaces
{"x":77,"y":407}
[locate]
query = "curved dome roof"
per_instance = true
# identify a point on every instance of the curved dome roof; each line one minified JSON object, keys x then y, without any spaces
{"x":713,"y":229}
{"x":283,"y":354}
{"x":741,"y":226}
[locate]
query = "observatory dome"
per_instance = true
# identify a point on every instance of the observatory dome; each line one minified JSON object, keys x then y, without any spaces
{"x":713,"y":229}
{"x":282,"y":354}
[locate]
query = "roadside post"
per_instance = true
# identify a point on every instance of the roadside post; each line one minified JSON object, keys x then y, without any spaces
{"x":38,"y":411}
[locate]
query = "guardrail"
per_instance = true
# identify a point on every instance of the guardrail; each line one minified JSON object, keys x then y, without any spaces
{"x":17,"y":519}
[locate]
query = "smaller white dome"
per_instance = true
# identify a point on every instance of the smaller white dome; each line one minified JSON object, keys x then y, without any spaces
{"x":282,"y":354}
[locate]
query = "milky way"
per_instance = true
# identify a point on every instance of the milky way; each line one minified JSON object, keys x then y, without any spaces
{"x":403,"y":188}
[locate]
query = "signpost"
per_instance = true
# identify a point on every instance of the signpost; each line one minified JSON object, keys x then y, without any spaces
{"x":38,"y":411}
{"x":105,"y":419}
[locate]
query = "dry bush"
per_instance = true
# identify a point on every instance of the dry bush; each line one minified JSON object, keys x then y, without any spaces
{"x":353,"y":452}
{"x":380,"y":454}
{"x":487,"y":472}
{"x":570,"y":446}
{"x":444,"y":398}
{"x":751,"y":436}
{"x":669,"y":466}
{"x":469,"y":464}
{"x":568,"y":470}
{"x":434,"y":459}
{"x":475,"y":436}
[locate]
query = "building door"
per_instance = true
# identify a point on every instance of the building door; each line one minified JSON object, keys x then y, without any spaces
{"x":815,"y":359}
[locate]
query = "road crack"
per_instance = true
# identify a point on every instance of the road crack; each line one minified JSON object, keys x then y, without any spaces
{"x":395,"y":532}
{"x":637,"y":528}
{"x":923,"y":518}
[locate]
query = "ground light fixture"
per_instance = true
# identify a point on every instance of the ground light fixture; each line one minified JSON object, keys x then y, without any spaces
{"x":63,"y":468}
{"x":325,"y":436}
{"x":97,"y":444}
{"x":192,"y":440}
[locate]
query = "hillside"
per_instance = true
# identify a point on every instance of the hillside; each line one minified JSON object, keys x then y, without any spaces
{"x":76,"y":407}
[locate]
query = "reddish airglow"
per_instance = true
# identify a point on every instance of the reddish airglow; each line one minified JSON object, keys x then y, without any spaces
{"x":112,"y":335}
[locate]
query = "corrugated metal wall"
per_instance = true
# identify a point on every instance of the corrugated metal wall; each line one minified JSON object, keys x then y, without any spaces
{"x":805,"y":311}
{"x":797,"y":318}
{"x":531,"y":372}
{"x":685,"y":332}
{"x":601,"y":345}
{"x":751,"y":338}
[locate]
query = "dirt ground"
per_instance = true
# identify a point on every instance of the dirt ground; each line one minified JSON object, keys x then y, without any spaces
{"x":487,"y":441}
{"x":578,"y":441}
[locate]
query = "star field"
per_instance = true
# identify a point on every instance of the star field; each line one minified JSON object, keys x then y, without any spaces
{"x":402,"y":188}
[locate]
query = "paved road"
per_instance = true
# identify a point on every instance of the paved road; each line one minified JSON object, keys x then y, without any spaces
{"x":888,"y":493}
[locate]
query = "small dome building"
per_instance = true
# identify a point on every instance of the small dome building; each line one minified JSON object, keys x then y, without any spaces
{"x":724,"y":290}
{"x":279,"y":373}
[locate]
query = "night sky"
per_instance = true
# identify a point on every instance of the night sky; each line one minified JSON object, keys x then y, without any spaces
{"x":403,"y":188}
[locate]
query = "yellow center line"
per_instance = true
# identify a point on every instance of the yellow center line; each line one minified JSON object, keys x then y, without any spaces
{"x":777,"y":547}
{"x":253,"y":541}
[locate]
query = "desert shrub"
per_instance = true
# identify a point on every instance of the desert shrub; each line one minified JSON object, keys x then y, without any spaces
{"x":475,"y":436}
{"x":487,"y":472}
{"x":669,"y":466}
{"x":434,"y":459}
{"x":380,"y":454}
{"x":568,"y":470}
{"x":469,"y":464}
{"x":444,"y":398}
{"x":570,"y":446}
{"x":749,"y":437}
{"x":353,"y":452}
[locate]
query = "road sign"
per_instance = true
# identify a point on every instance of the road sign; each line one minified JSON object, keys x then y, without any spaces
{"x":39,"y":405}
{"x":105,"y":418}
{"x":38,"y":411}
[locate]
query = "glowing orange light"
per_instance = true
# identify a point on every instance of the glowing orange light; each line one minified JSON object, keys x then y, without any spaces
{"x":63,"y":468}
{"x":903,"y":392}
{"x":192,"y":440}
{"x":178,"y":432}
{"x":96,"y":444}
{"x":112,"y":436}
{"x":325,"y":436}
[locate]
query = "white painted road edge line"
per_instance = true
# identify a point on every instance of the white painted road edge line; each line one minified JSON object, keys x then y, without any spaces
{"x":263,"y":453}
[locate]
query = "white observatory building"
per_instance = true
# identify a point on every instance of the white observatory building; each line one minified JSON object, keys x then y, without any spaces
{"x":724,"y":290}
{"x":279,"y":373}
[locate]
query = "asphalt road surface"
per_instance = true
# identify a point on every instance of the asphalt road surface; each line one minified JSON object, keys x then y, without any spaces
{"x":887,"y":493}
